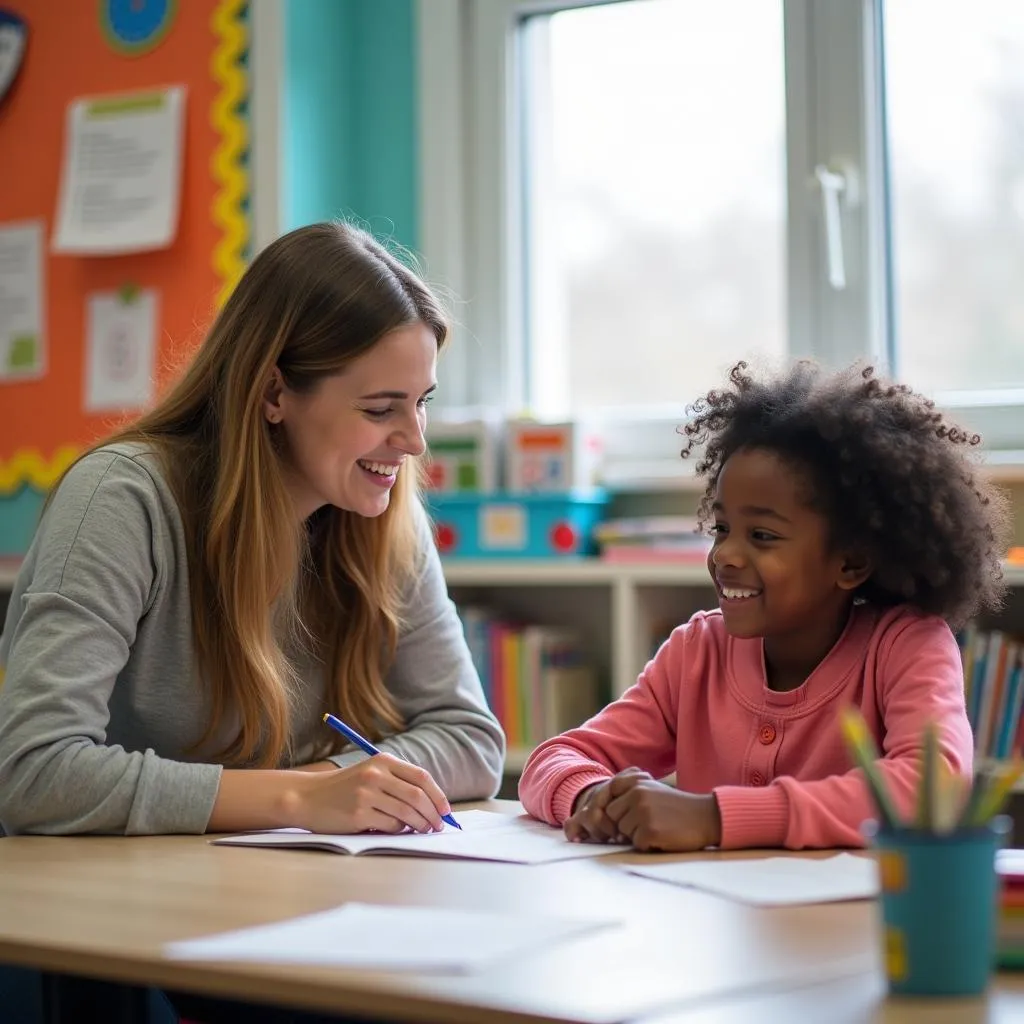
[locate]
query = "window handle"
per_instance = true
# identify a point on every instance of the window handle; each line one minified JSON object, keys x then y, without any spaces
{"x":837,"y":185}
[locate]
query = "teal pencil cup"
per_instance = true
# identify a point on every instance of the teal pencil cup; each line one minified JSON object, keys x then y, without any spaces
{"x":939,"y":907}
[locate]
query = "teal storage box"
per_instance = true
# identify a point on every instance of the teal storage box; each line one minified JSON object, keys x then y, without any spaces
{"x":516,"y":525}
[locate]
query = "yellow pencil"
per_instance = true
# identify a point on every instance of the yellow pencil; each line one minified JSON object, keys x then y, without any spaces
{"x":865,"y":755}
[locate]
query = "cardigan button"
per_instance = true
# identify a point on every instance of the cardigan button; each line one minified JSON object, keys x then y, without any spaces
{"x":766,"y":734}
{"x":756,"y":779}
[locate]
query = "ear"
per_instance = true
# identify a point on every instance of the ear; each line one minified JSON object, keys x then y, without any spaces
{"x":273,"y":392}
{"x":854,"y":570}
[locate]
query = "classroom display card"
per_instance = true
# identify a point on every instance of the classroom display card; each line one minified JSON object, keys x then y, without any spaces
{"x":120,"y":188}
{"x":120,"y":349}
{"x":389,"y":938}
{"x":773,"y":881}
{"x":485,"y":835}
{"x":22,"y":352}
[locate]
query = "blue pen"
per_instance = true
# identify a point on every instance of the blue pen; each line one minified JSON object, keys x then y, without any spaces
{"x":365,"y":745}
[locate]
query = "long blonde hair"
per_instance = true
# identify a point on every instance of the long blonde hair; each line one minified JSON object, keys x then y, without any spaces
{"x":309,"y":304}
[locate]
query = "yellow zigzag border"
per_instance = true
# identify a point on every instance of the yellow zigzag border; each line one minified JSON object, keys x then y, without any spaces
{"x":229,"y":170}
{"x":227,"y":210}
{"x":30,"y":467}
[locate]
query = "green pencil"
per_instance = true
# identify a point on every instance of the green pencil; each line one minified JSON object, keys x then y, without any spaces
{"x":865,"y":755}
{"x":927,"y":791}
{"x":974,"y":797}
{"x":996,"y":792}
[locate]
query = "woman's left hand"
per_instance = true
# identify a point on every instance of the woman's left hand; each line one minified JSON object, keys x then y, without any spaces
{"x":656,"y":817}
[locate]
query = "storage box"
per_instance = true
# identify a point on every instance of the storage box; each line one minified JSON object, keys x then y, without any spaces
{"x":551,"y":457}
{"x":463,"y":457}
{"x":516,"y":525}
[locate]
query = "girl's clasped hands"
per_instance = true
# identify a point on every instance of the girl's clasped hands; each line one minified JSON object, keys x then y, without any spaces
{"x":633,"y":807}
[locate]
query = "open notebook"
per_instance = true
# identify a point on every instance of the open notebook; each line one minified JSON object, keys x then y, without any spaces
{"x":485,"y":835}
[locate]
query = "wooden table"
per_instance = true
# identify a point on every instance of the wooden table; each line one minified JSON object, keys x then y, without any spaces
{"x":105,"y":907}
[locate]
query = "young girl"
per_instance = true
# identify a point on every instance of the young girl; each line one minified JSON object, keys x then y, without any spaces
{"x":250,"y":554}
{"x":849,"y":529}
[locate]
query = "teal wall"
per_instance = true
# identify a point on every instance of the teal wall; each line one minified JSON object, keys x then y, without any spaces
{"x":349,"y":112}
{"x":19,"y":513}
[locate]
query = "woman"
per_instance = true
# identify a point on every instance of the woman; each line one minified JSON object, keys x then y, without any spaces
{"x":248,"y":555}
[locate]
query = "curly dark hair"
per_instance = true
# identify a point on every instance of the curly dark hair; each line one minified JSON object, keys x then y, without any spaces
{"x":891,"y":475}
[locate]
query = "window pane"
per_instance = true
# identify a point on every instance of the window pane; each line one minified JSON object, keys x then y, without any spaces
{"x":654,"y":198}
{"x":955,"y":98}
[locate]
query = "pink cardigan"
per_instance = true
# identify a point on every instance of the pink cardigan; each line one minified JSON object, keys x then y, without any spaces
{"x":775,"y":761}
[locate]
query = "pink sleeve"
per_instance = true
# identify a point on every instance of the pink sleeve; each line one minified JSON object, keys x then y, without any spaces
{"x":920,"y":679}
{"x":637,"y":730}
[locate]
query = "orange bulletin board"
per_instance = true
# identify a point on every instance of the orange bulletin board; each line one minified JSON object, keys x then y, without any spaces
{"x":72,"y":53}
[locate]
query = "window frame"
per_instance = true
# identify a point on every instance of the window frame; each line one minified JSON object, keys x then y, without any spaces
{"x":472,"y":215}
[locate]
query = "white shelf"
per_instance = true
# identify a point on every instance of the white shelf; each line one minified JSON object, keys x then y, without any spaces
{"x":515,"y":759}
{"x":581,"y":571}
{"x":567,"y":572}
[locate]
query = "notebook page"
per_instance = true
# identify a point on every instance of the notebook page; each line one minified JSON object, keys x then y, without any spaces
{"x":773,"y":881}
{"x":485,"y":835}
{"x":389,"y":938}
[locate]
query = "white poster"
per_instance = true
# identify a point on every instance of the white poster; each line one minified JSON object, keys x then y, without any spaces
{"x":121,"y":333}
{"x":120,"y":189}
{"x":22,"y":340}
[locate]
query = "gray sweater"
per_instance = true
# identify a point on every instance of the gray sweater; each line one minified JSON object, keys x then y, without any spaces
{"x":101,"y":700}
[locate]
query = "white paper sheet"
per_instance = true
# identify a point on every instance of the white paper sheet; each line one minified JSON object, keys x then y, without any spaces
{"x":485,"y":835}
{"x":773,"y":881}
{"x":389,"y":938}
{"x":120,"y":189}
{"x":121,"y":333}
{"x":22,"y":339}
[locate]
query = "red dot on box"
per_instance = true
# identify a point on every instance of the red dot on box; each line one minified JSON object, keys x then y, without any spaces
{"x":564,"y":537}
{"x":446,"y":537}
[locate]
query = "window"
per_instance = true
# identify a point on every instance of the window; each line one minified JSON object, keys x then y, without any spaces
{"x":661,"y":186}
{"x":654,"y":199}
{"x":955,"y":94}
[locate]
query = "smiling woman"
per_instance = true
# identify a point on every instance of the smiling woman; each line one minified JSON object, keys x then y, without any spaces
{"x":348,"y":438}
{"x":251,"y":554}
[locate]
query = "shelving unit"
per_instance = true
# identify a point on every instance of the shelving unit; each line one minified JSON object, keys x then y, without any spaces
{"x":618,"y":609}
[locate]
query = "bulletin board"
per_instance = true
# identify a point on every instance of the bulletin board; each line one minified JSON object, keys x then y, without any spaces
{"x":94,"y":48}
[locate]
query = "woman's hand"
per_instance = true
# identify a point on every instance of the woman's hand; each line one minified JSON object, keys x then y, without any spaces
{"x":589,"y":822}
{"x":657,"y":817}
{"x":383,"y":793}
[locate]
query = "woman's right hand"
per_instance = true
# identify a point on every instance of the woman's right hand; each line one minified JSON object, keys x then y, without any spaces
{"x":383,"y":793}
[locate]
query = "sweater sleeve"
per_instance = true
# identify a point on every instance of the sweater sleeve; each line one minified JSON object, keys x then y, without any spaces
{"x":95,"y":568}
{"x":920,"y":680}
{"x":637,"y":730}
{"x":450,"y":730}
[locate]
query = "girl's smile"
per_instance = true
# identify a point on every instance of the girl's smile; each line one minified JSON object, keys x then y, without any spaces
{"x":776,"y":572}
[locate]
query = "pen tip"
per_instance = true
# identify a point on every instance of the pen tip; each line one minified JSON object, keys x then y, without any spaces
{"x":324,"y":719}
